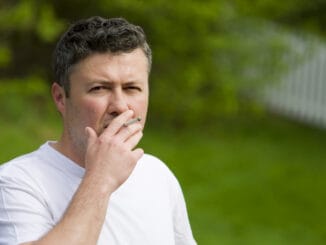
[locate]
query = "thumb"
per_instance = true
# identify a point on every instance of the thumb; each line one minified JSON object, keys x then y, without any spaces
{"x":91,"y":135}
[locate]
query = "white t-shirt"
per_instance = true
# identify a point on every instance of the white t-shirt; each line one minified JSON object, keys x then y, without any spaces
{"x":36,"y":189}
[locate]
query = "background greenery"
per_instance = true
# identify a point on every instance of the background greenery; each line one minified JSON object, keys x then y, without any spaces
{"x":249,"y":177}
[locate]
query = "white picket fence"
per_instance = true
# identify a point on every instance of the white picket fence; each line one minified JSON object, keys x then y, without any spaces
{"x":301,"y":92}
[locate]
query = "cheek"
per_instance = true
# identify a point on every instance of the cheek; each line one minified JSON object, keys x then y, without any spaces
{"x":140,"y":105}
{"x":140,"y":108}
{"x":92,"y":111}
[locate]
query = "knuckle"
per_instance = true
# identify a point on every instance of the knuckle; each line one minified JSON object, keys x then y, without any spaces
{"x":129,"y":129}
{"x":114,"y":142}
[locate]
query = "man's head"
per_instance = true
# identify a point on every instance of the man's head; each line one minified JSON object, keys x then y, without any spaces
{"x":96,"y":35}
{"x":102,"y":69}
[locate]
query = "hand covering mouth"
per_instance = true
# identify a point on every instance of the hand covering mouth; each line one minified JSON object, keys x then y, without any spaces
{"x":105,"y":124}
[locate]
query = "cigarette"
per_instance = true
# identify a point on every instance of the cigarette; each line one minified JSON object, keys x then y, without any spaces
{"x":137,"y":119}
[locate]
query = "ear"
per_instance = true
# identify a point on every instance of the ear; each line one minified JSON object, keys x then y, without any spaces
{"x":59,"y":97}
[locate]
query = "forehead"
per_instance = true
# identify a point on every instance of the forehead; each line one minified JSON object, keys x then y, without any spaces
{"x":134,"y":61}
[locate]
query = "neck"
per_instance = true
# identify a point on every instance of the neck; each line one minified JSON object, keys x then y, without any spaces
{"x":64,"y":147}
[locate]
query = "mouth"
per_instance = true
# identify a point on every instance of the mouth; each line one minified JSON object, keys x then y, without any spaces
{"x":105,"y":125}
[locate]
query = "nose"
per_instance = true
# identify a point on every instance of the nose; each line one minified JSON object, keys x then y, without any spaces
{"x":117,"y":103}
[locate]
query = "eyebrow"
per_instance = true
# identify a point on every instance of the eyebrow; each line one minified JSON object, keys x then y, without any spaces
{"x":110,"y":82}
{"x":131,"y":83}
{"x":99,"y":81}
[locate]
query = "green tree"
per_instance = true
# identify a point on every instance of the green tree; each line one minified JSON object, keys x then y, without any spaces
{"x":209,"y":56}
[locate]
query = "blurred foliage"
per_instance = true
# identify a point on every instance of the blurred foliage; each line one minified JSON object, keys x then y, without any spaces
{"x":26,"y":96}
{"x":209,"y":57}
{"x":305,"y":15}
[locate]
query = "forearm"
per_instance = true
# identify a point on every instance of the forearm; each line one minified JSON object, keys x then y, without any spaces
{"x":83,"y":220}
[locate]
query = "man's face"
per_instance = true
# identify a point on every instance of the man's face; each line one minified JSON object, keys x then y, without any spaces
{"x":103,"y":86}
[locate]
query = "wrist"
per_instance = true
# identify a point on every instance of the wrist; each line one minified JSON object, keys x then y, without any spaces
{"x":101,"y":185}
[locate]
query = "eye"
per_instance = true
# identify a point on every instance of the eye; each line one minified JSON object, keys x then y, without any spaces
{"x":98,"y":88}
{"x":133,"y":88}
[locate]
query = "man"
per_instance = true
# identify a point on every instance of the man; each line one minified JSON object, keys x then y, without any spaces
{"x":93,"y":186}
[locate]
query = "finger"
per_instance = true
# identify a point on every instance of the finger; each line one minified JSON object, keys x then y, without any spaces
{"x":127,"y":131}
{"x":117,"y":123}
{"x":91,"y":136}
{"x":134,"y":120}
{"x":133,"y":140}
{"x":138,"y":153}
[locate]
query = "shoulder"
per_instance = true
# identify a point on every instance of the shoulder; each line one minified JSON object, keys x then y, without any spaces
{"x":154,"y":163}
{"x":159,"y":172}
{"x":155,"y":167}
{"x":25,"y":167}
{"x":151,"y":159}
{"x":19,"y":164}
{"x":18,"y":179}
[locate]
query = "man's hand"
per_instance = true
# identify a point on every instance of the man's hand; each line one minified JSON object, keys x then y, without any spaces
{"x":109,"y":161}
{"x":111,"y":156}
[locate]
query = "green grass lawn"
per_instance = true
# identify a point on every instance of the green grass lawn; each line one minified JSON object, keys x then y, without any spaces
{"x":258,"y":182}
